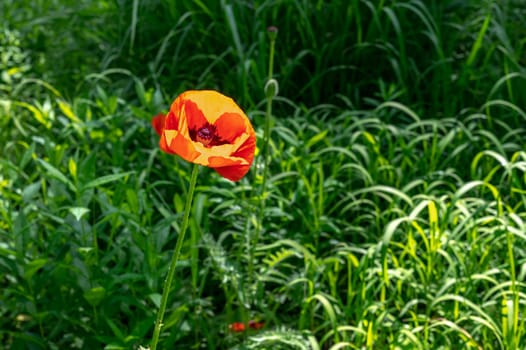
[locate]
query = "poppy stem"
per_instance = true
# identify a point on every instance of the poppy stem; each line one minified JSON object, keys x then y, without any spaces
{"x":175,"y":258}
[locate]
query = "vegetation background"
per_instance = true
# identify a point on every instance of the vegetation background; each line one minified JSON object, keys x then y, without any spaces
{"x":395,"y":209}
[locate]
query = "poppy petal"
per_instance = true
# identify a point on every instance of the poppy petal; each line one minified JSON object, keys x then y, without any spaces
{"x":194,"y":117}
{"x":208,"y":128}
{"x":236,"y":327}
{"x":234,"y":172}
{"x":230,"y":125}
{"x":158,"y":123}
{"x":212,"y":103}
{"x":216,"y":151}
{"x":164,"y":145}
{"x":237,"y":171}
{"x":171,"y":121}
{"x":247,"y":149}
{"x":220,"y":162}
{"x":180,"y":145}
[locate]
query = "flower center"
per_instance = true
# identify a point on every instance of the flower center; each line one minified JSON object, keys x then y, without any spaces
{"x":206,"y":135}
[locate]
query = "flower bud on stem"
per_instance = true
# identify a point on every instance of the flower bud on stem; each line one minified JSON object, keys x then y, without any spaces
{"x":271,"y":90}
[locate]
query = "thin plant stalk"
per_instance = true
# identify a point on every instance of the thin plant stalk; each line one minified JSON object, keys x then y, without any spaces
{"x":268,"y":114}
{"x":175,"y":258}
{"x":272,"y":31}
{"x":513,"y":337}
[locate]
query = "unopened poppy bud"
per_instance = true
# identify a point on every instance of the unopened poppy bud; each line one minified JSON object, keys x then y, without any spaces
{"x":271,"y":88}
{"x":272,"y":32}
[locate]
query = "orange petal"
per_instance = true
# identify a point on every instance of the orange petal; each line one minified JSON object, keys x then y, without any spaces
{"x":194,"y":117}
{"x":230,"y":125}
{"x":245,"y":151}
{"x":216,"y":152}
{"x":234,"y":172}
{"x":158,"y":123}
{"x":171,"y":121}
{"x":212,"y":103}
{"x":180,"y":145}
{"x":220,"y":162}
{"x":236,"y":327}
{"x":164,"y":145}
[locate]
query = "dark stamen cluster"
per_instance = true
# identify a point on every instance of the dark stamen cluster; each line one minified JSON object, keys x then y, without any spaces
{"x":206,"y":135}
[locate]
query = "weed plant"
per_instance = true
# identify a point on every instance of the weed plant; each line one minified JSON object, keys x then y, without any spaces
{"x":395,"y":203}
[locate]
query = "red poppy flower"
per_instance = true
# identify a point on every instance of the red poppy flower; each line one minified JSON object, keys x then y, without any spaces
{"x":237,"y":327}
{"x":208,"y":128}
{"x":255,"y":324}
{"x":240,"y":327}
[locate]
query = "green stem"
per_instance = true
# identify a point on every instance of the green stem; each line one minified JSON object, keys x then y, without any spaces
{"x":271,"y":58}
{"x":266,"y":155}
{"x":268,"y":114}
{"x":175,"y":258}
{"x":514,"y":293}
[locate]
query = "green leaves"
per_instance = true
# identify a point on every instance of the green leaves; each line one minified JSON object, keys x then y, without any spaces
{"x":53,"y":172}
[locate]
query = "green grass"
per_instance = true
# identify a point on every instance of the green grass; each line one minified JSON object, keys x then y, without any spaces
{"x":394,"y":209}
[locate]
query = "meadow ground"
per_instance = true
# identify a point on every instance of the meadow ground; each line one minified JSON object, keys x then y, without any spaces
{"x":391,"y":213}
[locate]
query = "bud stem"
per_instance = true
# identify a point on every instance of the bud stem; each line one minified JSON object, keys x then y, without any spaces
{"x":272,"y":33}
